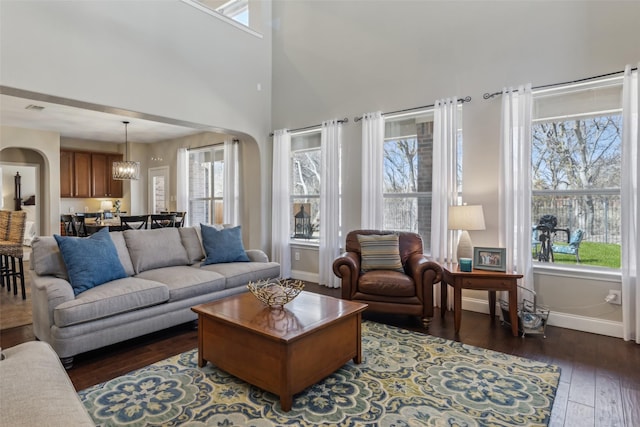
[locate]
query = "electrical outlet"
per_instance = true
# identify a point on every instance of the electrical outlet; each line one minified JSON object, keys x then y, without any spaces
{"x":296,"y":255}
{"x":614,"y":297}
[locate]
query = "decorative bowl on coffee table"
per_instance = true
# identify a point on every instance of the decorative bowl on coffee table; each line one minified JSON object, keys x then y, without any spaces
{"x":275,"y":293}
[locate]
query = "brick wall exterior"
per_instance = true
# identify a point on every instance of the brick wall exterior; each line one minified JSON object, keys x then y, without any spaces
{"x":425,"y":167}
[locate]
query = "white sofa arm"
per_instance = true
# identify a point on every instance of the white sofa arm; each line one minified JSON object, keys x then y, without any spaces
{"x":256,"y":255}
{"x":47,"y":292}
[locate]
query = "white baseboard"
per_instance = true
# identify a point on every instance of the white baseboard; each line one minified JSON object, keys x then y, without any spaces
{"x":562,"y":320}
{"x":305,"y":275}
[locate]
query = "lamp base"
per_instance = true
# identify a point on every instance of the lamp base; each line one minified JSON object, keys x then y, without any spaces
{"x":465,"y":247}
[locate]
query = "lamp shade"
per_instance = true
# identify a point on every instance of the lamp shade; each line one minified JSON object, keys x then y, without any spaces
{"x":125,"y":170}
{"x":466,"y":217}
{"x":106,"y":206}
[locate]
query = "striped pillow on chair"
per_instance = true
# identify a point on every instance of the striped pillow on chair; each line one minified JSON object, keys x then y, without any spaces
{"x":380,"y":252}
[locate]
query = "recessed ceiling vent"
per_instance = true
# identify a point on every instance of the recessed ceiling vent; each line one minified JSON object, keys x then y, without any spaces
{"x":34,"y":107}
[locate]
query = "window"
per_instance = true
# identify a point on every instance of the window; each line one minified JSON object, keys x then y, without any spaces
{"x":305,"y":185}
{"x":206,"y":184}
{"x":408,"y":160}
{"x":238,"y":10}
{"x":576,"y":169}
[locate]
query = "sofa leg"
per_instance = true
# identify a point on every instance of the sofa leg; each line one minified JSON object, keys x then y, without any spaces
{"x":67,"y":362}
{"x":194,"y":325}
{"x":426,"y":321}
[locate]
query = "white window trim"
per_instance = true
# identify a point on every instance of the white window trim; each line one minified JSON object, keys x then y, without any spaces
{"x":220,"y":16}
{"x":578,"y":271}
{"x":315,"y":243}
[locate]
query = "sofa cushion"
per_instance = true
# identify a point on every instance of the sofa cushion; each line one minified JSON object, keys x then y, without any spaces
{"x":46,"y":259}
{"x":240,"y":273}
{"x":109,"y":299}
{"x":387,"y":283}
{"x":90,"y":261}
{"x":123,"y":252}
{"x":185,"y":282}
{"x":149,"y":249}
{"x":192,"y":244}
{"x":223,"y":245}
{"x":380,"y":252}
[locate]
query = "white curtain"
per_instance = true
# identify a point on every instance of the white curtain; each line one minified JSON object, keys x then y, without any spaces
{"x":630,"y":210}
{"x":280,"y":250}
{"x":182,"y":183}
{"x":230,"y":190}
{"x":444,"y":183}
{"x":331,"y":141}
{"x":514,"y":232}
{"x":372,"y":171}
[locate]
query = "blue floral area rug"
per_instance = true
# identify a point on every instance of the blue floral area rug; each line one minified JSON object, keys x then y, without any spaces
{"x":406,"y":379}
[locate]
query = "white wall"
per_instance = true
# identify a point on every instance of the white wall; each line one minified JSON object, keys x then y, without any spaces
{"x":47,"y":147}
{"x":161,"y":58}
{"x":342,"y":59}
{"x":28,"y":183}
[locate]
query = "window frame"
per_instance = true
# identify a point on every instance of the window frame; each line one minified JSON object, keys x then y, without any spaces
{"x":582,"y":112}
{"x":212,"y":199}
{"x":427,"y":113}
{"x":313,"y":241}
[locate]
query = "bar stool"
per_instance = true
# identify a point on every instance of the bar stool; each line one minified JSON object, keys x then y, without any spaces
{"x":4,"y":236}
{"x":12,"y":249}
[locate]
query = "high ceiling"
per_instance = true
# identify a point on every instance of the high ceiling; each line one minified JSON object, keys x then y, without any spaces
{"x":93,"y":123}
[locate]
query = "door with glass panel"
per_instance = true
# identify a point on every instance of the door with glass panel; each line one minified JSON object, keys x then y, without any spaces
{"x":159,"y":190}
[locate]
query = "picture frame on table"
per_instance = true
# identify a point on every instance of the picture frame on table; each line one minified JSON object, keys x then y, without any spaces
{"x":493,"y":259}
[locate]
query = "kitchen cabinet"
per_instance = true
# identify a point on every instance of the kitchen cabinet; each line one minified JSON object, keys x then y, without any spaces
{"x":85,"y":174}
{"x":102,"y":184}
{"x":66,"y":174}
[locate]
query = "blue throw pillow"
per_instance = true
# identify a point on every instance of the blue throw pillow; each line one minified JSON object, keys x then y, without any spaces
{"x":222,"y":245}
{"x":90,"y":261}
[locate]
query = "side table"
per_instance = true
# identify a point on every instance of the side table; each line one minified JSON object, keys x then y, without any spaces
{"x":491,"y":281}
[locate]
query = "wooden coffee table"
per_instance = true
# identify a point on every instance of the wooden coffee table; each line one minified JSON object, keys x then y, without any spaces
{"x":282,"y":351}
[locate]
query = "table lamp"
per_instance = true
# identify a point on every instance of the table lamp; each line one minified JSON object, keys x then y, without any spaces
{"x":465,"y":218}
{"x":106,"y":206}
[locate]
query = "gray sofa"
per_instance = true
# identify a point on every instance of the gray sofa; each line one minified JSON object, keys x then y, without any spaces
{"x":36,"y":390}
{"x":164,"y":280}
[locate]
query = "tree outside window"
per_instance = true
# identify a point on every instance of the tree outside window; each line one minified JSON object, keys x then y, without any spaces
{"x":576,"y":169}
{"x":305,"y":183}
{"x":408,"y":164}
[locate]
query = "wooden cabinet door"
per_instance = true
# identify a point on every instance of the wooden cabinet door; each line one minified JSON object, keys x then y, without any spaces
{"x":82,"y":170}
{"x":99,"y":181}
{"x":67,"y":186}
{"x":115,"y":186}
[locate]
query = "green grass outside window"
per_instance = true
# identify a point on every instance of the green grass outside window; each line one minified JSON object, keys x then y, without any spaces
{"x":591,"y":253}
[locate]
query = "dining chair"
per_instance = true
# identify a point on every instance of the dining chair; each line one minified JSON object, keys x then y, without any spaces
{"x":163,"y":220}
{"x":180,"y":217}
{"x":134,"y":222}
{"x":77,"y":223}
{"x":67,"y":225}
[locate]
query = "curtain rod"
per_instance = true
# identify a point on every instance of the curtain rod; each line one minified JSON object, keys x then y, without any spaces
{"x":234,"y":140}
{"x":462,"y":100}
{"x":345,"y":120}
{"x":491,"y":95}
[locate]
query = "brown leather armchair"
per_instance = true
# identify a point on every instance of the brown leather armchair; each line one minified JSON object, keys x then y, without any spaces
{"x":388,"y":291}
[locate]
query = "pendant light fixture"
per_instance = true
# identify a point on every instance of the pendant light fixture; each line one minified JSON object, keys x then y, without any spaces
{"x":127,"y":169}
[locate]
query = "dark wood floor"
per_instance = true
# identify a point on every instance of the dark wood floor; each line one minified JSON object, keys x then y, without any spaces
{"x":599,"y":385}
